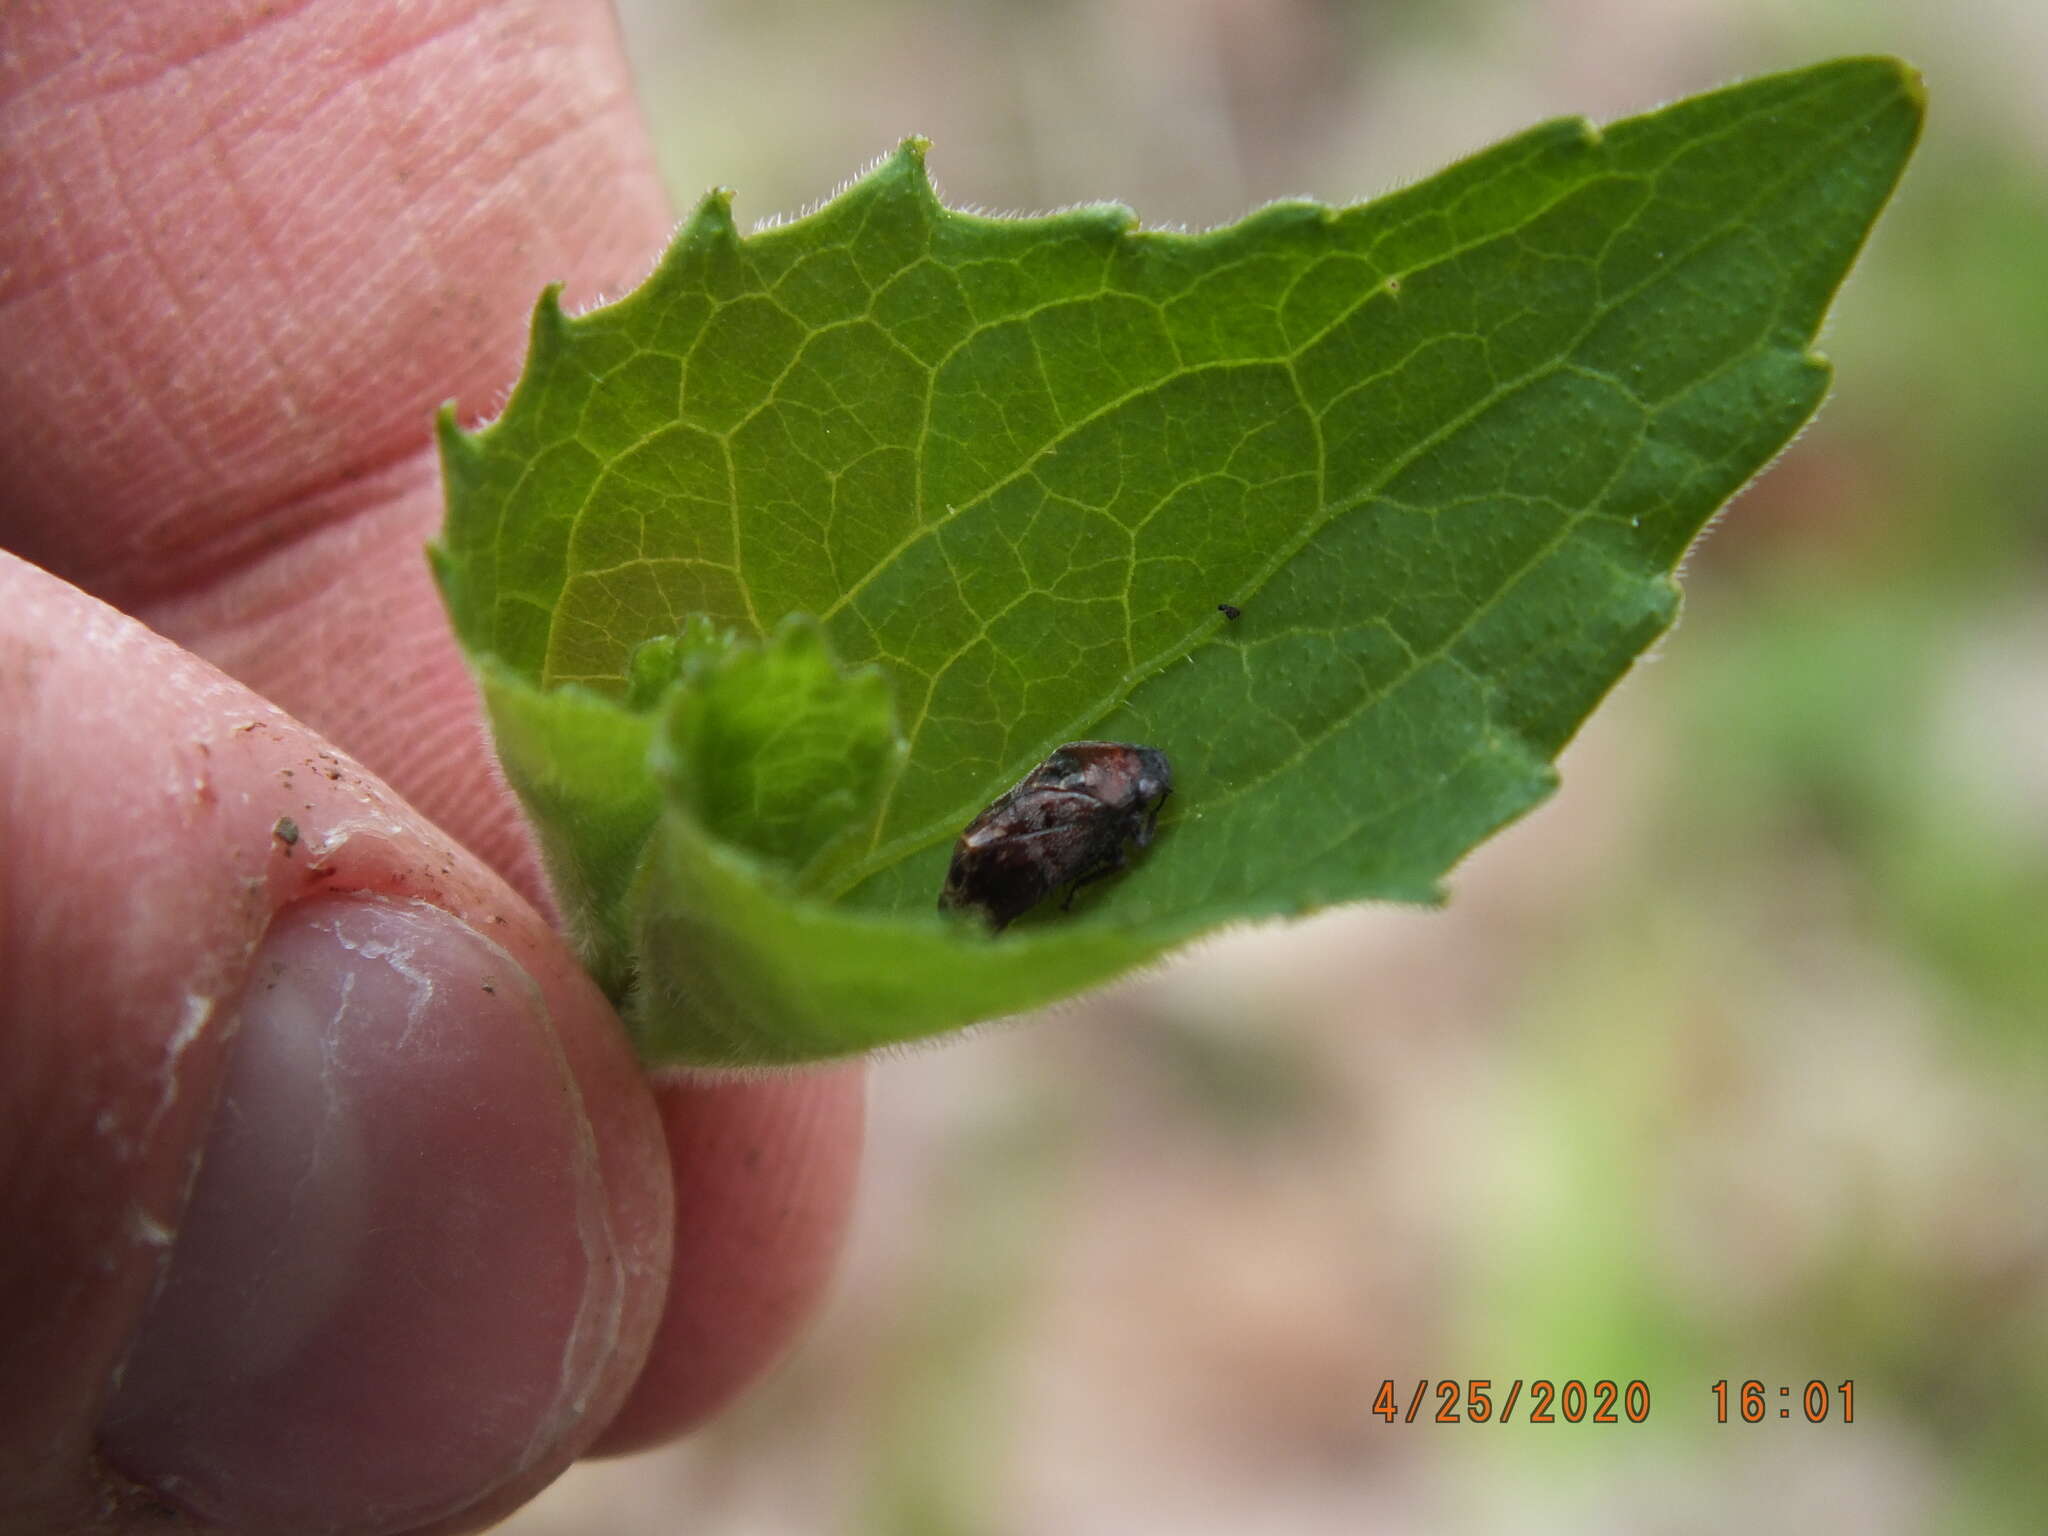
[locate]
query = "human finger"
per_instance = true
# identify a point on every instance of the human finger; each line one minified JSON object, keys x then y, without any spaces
{"x":333,"y":1196}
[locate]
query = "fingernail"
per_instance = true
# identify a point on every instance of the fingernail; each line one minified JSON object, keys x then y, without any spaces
{"x":394,"y":1282}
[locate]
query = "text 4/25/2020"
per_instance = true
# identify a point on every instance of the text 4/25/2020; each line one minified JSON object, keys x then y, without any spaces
{"x":1480,"y":1400}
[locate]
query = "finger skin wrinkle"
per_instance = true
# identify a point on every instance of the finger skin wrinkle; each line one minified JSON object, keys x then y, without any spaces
{"x":109,"y":50}
{"x":244,"y":296}
{"x":134,"y":386}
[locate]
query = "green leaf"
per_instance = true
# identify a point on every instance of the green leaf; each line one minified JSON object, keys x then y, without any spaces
{"x":1444,"y":450}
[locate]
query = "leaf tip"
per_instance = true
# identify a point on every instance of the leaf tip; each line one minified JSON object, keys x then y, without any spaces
{"x":454,"y":443}
{"x":800,"y":634}
{"x":550,"y":325}
{"x":710,"y":222}
{"x":1912,"y":84}
{"x":441,"y":564}
{"x":461,"y":454}
{"x":906,"y":165}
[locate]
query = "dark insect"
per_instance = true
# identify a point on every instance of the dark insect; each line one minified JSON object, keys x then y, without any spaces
{"x":1229,"y":611}
{"x":1065,"y":823}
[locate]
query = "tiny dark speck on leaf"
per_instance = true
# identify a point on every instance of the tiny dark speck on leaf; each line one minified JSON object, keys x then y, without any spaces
{"x":286,"y":831}
{"x":1229,"y":611}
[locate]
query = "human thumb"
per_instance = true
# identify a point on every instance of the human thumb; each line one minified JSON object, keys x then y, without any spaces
{"x":332,"y":1198}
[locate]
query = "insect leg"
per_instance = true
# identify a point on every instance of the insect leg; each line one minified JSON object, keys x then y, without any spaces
{"x":1143,"y":836}
{"x":1111,"y":863}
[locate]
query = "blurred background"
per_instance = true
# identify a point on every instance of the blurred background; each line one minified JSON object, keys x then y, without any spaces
{"x":1726,"y":1064}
